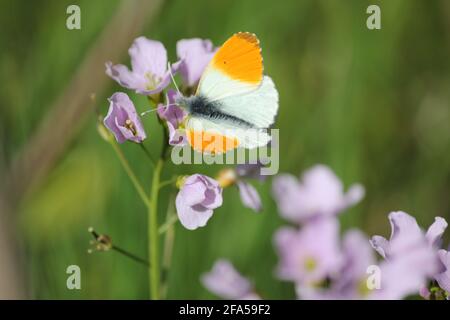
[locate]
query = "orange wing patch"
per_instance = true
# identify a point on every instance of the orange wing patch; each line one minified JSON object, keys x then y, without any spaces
{"x":240,"y":58}
{"x":210,"y":142}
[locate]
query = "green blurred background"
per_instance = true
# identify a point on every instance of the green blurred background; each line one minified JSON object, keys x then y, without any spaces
{"x":373,"y":105}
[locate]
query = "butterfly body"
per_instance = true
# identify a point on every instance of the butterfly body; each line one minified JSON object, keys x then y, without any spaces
{"x":234,"y":103}
{"x":200,"y":106}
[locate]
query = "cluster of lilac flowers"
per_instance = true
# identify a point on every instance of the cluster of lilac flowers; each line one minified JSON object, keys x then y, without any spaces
{"x":324,"y":265}
{"x":150,"y":75}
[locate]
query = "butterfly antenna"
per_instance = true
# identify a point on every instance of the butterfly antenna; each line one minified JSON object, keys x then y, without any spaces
{"x":148,"y":111}
{"x":173,"y":79}
{"x":156,"y":109}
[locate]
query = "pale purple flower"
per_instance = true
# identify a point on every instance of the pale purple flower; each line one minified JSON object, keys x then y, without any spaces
{"x":226,"y":282}
{"x":198,"y":197}
{"x":435,"y":232}
{"x":406,"y":235}
{"x":311,"y":254}
{"x":358,"y":256}
{"x":122,"y":119}
{"x":411,"y":255}
{"x":149,"y":74}
{"x":174,"y":117}
{"x":249,"y":196}
{"x":194,"y":55}
{"x":318,"y":194}
{"x":443,"y":278}
{"x":350,"y":281}
{"x":406,"y":274}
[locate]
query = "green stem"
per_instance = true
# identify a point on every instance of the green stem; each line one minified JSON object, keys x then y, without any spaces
{"x":137,"y":185}
{"x":154,"y":273}
{"x":104,"y":243}
{"x":168,"y":246}
{"x":168,"y":182}
{"x":169,"y":223}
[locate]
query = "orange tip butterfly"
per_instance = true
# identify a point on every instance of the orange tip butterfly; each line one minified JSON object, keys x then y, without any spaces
{"x":234,"y":103}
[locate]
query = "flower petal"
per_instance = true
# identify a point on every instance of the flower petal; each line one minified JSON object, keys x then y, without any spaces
{"x":193,"y":193}
{"x":285,"y":188}
{"x":163,"y":82}
{"x":443,"y":278}
{"x":213,"y":198}
{"x":311,"y":254}
{"x":177,"y":137}
{"x":224,"y":281}
{"x":191,"y":217}
{"x":195,"y":55}
{"x":123,"y":76}
{"x":405,"y":232}
{"x":171,"y":112}
{"x":120,"y":111}
{"x":380,"y":244}
{"x":354,"y":195}
{"x":249,"y":196}
{"x":148,"y":57}
{"x":436,"y":230}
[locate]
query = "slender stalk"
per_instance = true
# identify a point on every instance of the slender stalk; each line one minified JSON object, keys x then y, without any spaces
{"x":154,"y":274}
{"x":131,"y":256}
{"x":168,"y":182}
{"x":169,"y":240}
{"x":104,"y":243}
{"x":137,"y":185}
{"x":153,"y":235}
{"x":170,"y":221}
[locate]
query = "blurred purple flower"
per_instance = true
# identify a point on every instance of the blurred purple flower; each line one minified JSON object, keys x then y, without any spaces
{"x":400,"y":275}
{"x":411,"y":256}
{"x":174,"y":117}
{"x":405,"y":275}
{"x":194,"y":55}
{"x":406,"y":235}
{"x":443,"y":278}
{"x":122,"y":119}
{"x":435,"y":232}
{"x":224,"y":281}
{"x":350,"y":281}
{"x":149,"y":74}
{"x":320,"y":193}
{"x":310,"y":255}
{"x":198,"y":197}
{"x":249,"y":196}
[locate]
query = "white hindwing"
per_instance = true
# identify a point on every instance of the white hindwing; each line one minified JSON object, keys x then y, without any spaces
{"x":247,"y":138}
{"x":258,"y":107}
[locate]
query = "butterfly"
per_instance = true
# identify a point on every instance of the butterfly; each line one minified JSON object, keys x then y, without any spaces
{"x":234,"y":102}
